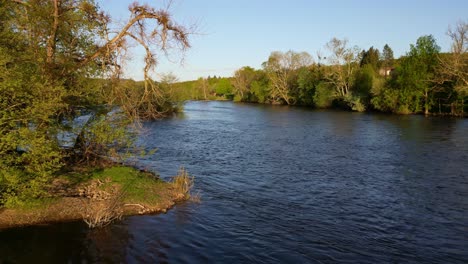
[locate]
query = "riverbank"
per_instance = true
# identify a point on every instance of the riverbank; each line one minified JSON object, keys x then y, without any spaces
{"x":98,"y":197}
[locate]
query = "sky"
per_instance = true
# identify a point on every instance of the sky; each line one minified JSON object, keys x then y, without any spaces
{"x":231,"y":34}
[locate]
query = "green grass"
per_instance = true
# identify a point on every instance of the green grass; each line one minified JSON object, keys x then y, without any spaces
{"x":34,"y":203}
{"x":137,"y":186}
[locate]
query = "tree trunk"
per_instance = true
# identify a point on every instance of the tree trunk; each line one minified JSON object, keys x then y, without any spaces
{"x":463,"y":107}
{"x":426,"y":103}
{"x":204,"y":89}
{"x":440,"y":111}
{"x":52,"y":40}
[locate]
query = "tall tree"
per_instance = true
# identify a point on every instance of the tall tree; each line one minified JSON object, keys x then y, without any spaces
{"x":418,"y":70}
{"x":454,"y":66}
{"x":280,"y":68}
{"x":51,"y":55}
{"x":204,"y":86}
{"x":387,"y":57}
{"x":242,"y":81}
{"x":343,"y":62}
{"x":371,"y":57}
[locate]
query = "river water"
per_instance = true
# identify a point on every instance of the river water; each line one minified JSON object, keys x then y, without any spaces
{"x":285,"y":185}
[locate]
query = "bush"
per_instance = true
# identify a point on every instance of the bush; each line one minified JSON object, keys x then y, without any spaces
{"x":183,"y":182}
{"x":355,"y":103}
{"x":324,"y":95}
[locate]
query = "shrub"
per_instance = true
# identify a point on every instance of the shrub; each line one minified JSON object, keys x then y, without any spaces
{"x":183,"y":182}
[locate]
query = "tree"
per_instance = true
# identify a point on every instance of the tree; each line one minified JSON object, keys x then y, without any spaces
{"x":454,"y":66}
{"x":343,"y":63}
{"x":308,"y":79}
{"x":324,"y":95}
{"x":166,"y":84}
{"x":371,"y":57}
{"x":242,"y":82}
{"x":54,"y":57}
{"x":280,"y":68}
{"x":223,"y":87}
{"x":203,"y":85}
{"x":417,"y":72}
{"x":260,"y":88}
{"x":387,"y":57}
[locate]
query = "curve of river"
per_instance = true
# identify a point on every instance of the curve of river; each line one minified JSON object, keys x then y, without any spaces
{"x":285,"y":185}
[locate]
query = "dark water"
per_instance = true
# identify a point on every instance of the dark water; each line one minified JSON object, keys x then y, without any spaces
{"x":286,"y":185}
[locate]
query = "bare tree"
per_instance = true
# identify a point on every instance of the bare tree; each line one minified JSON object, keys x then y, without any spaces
{"x":454,"y":66}
{"x":153,"y":30}
{"x":344,"y":62}
{"x":95,"y":44}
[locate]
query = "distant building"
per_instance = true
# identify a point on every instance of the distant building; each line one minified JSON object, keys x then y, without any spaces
{"x":386,"y":71}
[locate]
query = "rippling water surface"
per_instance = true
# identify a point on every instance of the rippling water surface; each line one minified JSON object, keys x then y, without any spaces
{"x":286,"y":185}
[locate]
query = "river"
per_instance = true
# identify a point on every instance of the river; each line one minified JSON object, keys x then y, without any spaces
{"x":285,"y":185}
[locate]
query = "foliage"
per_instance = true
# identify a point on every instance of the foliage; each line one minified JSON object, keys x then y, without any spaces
{"x":366,"y":79}
{"x":387,"y":57}
{"x":371,"y":57}
{"x":421,"y":81}
{"x":243,"y":79}
{"x":343,"y":62}
{"x":58,"y":57}
{"x":223,"y":87}
{"x":281,"y":69}
{"x":324,"y":95}
{"x":306,"y":84}
{"x":416,"y":73}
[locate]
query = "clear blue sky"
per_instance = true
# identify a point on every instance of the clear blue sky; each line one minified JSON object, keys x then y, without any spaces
{"x":236,"y":33}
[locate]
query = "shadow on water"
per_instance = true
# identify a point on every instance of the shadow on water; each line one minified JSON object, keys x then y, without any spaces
{"x":64,"y":243}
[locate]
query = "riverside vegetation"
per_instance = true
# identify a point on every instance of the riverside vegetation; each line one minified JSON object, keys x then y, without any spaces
{"x":65,"y":114}
{"x":422,"y":81}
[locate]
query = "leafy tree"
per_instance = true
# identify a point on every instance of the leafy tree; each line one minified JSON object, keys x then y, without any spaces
{"x":324,"y":95}
{"x":223,"y":86}
{"x":387,"y":57}
{"x":242,"y":82}
{"x":365,"y":80}
{"x":371,"y":57}
{"x":416,"y":74}
{"x":54,"y":56}
{"x":281,"y":68}
{"x":308,"y":80}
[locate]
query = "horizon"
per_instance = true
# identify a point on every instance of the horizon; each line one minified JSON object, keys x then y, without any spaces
{"x":230,"y":36}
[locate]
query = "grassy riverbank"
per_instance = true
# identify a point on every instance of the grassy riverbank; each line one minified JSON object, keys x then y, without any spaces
{"x":100,"y":196}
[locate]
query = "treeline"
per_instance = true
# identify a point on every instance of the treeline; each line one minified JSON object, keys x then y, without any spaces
{"x":209,"y":88}
{"x":422,"y":81}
